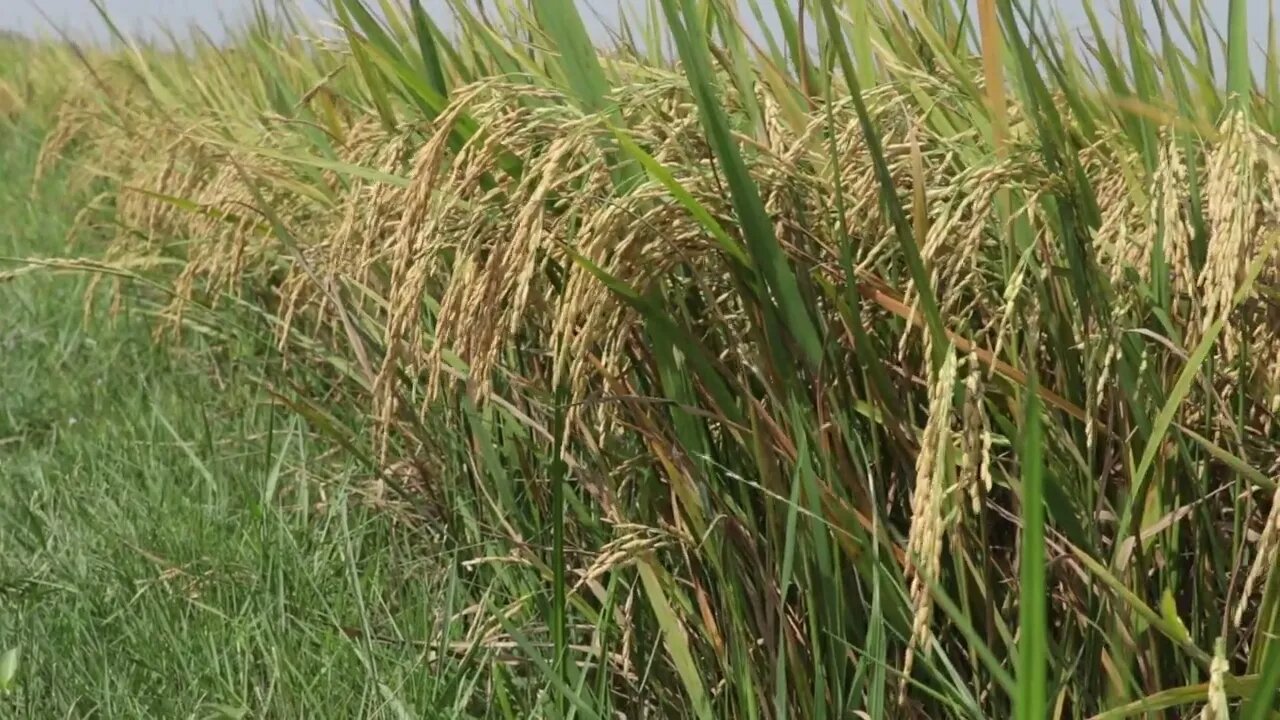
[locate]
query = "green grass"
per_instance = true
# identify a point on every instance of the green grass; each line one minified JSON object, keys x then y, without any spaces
{"x":146,"y":567}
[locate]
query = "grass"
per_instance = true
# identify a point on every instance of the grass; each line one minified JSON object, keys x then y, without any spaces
{"x":175,"y":546}
{"x":911,"y":362}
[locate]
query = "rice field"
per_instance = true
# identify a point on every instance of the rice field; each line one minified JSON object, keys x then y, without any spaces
{"x":900,"y":360}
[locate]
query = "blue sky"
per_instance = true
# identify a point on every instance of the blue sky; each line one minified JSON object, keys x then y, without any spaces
{"x":81,"y":19}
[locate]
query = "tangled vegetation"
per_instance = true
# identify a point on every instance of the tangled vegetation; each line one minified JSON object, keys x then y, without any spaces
{"x":907,"y":362}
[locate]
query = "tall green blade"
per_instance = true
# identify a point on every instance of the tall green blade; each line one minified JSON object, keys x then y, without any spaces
{"x":1239,"y":75}
{"x":1033,"y":648}
{"x":772,"y":264}
{"x":427,"y":32}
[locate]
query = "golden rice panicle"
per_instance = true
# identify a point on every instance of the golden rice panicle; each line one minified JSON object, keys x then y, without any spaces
{"x":1130,"y":233}
{"x":975,"y":479}
{"x":1230,"y":192}
{"x":640,"y":238}
{"x":12,"y":105}
{"x":373,"y":212}
{"x":1118,"y":236}
{"x":480,"y":315}
{"x":590,"y":329}
{"x":1169,"y":216}
{"x":1123,"y":244}
{"x":1103,"y":354}
{"x":1217,"y":707}
{"x":430,"y":224}
{"x":1266,"y":553}
{"x":72,"y":118}
{"x":1264,"y":340}
{"x":1002,"y":321}
{"x":928,"y":513}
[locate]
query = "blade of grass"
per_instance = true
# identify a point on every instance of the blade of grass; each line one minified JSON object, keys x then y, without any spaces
{"x":675,"y":638}
{"x":1033,"y":649}
{"x":771,"y":263}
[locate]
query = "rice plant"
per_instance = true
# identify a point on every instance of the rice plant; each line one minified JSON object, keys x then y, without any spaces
{"x":901,"y":359}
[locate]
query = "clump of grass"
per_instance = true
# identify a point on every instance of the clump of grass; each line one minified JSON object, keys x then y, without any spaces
{"x":174,"y":544}
{"x":907,"y":372}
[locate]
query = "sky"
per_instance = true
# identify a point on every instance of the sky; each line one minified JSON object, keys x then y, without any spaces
{"x":145,"y":16}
